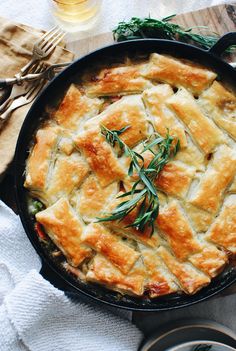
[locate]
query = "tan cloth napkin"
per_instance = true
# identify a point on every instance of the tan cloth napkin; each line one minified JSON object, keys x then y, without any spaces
{"x":16,"y":43}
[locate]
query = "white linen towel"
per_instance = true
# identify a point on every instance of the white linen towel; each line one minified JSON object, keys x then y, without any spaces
{"x":36,"y":316}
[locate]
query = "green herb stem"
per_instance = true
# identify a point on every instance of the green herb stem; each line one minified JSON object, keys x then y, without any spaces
{"x":138,"y":28}
{"x":143,"y":194}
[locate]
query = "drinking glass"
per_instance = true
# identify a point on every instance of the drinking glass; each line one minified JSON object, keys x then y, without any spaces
{"x":76,"y":15}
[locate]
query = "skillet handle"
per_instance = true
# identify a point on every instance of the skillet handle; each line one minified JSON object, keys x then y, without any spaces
{"x":223,"y":43}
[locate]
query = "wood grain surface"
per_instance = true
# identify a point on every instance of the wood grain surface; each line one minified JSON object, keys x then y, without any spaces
{"x":219,"y":19}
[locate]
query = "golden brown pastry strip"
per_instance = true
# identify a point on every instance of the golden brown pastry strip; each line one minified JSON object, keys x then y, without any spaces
{"x":178,"y":73}
{"x":159,"y":281}
{"x":122,"y":227}
{"x":218,"y":176}
{"x":190,"y":279}
{"x":76,"y":108}
{"x":100,"y":156}
{"x":163,"y":119}
{"x":175,"y":179}
{"x":68,"y":173}
{"x":220,"y":104}
{"x":127,"y":112}
{"x":40,"y":158}
{"x":65,"y":229}
{"x":210,"y":260}
{"x":92,"y":198}
{"x":118,"y":80}
{"x":102,"y":271}
{"x":223,"y":230}
{"x":204,"y":132}
{"x":110,"y":246}
{"x":176,"y":228}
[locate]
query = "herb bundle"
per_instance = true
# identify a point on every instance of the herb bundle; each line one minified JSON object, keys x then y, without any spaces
{"x":143,"y":195}
{"x":138,"y":28}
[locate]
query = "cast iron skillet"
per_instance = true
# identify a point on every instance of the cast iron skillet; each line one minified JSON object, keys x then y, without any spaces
{"x":50,"y":267}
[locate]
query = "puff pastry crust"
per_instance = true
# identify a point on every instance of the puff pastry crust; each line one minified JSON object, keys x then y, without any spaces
{"x":175,"y":179}
{"x":199,"y":218}
{"x":178,"y":73}
{"x":188,"y":277}
{"x":163,"y":119}
{"x":128,"y":111}
{"x":187,"y":110}
{"x":220,"y":105}
{"x":100,"y":156}
{"x":93,"y":198}
{"x":79,"y":176}
{"x":176,"y":228}
{"x":110,"y":246}
{"x":122,"y":228}
{"x":223,"y":230}
{"x":210,"y":260}
{"x":65,"y":230}
{"x":66,"y":175}
{"x":76,"y":108}
{"x":118,"y":80}
{"x":102,"y":271}
{"x":160,"y":281}
{"x":214,"y":182}
{"x":41,"y":157}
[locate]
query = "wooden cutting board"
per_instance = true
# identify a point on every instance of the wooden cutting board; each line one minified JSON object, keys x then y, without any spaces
{"x":219,"y":19}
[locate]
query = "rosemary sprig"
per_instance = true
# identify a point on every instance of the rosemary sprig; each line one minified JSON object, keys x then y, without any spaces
{"x":138,"y":28}
{"x":143,"y":195}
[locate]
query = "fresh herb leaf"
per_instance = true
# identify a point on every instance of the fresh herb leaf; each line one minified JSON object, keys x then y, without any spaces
{"x":138,"y":28}
{"x":177,"y":147}
{"x":143,"y":195}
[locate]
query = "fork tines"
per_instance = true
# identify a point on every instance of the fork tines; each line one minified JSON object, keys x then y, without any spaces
{"x":34,"y":90}
{"x":50,"y":39}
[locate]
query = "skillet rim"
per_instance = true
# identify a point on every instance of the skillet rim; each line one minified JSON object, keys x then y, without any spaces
{"x":184,"y":300}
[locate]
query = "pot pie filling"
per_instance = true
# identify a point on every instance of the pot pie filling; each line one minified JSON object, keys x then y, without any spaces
{"x":78,"y":176}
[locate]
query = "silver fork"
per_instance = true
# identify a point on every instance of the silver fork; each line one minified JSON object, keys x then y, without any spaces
{"x":22,"y":100}
{"x":43,"y":47}
{"x":18,"y":90}
{"x":48,"y":73}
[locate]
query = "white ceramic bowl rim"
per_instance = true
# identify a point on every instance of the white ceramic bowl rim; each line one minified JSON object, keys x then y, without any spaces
{"x":183,"y":346}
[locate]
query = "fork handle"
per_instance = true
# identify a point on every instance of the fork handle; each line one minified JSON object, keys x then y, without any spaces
{"x":4,"y":94}
{"x":7,"y":81}
{"x":3,"y":83}
{"x":4,"y":105}
{"x":10,"y":108}
{"x":5,"y":115}
{"x":25,"y":68}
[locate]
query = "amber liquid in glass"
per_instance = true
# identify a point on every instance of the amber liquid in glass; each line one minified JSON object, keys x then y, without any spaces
{"x":76,"y":15}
